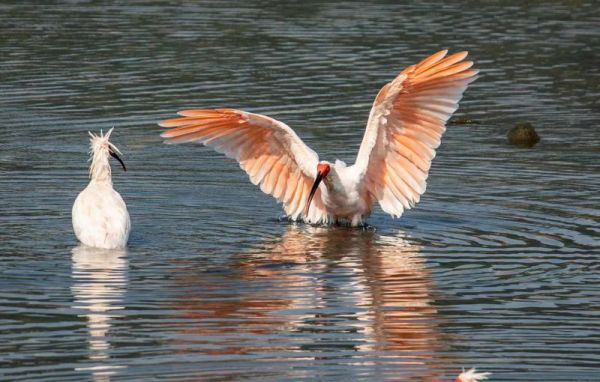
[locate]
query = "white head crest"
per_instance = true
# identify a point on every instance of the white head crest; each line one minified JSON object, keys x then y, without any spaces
{"x":101,"y":142}
{"x":100,"y":150}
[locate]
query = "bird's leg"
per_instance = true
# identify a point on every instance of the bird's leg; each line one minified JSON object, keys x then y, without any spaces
{"x":357,"y":220}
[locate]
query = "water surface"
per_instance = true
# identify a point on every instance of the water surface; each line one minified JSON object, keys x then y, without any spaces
{"x":497,"y":267}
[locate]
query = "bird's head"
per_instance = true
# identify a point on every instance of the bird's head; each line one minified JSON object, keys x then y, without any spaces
{"x":100,"y":151}
{"x":323,"y":169}
{"x":101,"y":148}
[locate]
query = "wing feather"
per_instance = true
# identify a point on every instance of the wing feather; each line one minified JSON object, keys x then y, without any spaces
{"x":274,"y":157}
{"x":405,"y":126}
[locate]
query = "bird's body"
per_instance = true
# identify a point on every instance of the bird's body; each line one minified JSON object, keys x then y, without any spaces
{"x":405,"y":126}
{"x":100,"y":216}
{"x":343,"y":197}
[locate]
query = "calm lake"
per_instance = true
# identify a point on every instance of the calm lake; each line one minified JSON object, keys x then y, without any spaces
{"x":497,"y":267}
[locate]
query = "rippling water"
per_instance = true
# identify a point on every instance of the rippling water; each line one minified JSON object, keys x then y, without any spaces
{"x":497,"y":267}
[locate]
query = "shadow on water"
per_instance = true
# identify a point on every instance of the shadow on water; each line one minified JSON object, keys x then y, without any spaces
{"x":99,"y":284}
{"x":323,"y":296}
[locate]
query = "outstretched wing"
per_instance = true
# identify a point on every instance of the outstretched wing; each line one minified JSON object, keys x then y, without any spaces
{"x":405,"y":126}
{"x":268,"y":150}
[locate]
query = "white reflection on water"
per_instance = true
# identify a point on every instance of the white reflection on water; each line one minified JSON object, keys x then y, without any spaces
{"x":99,"y":283}
{"x":345,"y":291}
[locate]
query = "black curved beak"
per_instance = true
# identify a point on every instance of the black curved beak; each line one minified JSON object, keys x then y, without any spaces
{"x":312,"y":192}
{"x":114,"y":155}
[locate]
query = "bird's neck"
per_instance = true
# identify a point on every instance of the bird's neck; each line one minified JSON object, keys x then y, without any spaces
{"x":333,"y":181}
{"x":100,"y":169}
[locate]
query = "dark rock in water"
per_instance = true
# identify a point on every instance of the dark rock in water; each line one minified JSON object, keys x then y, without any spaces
{"x":463,"y":121}
{"x":523,"y":134}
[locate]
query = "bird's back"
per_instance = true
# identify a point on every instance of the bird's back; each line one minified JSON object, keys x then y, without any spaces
{"x":100,"y":217}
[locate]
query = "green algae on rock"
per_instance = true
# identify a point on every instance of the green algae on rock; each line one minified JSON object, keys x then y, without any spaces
{"x":523,"y":134}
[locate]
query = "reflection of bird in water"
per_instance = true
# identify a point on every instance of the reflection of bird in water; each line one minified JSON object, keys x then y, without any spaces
{"x":319,"y":291}
{"x":99,"y":282}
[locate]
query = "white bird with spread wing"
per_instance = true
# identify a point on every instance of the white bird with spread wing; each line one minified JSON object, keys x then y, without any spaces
{"x":404,"y":128}
{"x":100,"y":217}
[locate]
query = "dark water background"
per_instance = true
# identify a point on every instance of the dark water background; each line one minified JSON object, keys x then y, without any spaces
{"x":497,"y":267}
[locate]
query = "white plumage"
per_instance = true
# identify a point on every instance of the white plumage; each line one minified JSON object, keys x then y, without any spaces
{"x":405,"y":127}
{"x":472,"y":376}
{"x":100,"y":217}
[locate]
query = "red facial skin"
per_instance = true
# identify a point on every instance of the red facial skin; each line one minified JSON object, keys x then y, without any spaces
{"x":323,"y":169}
